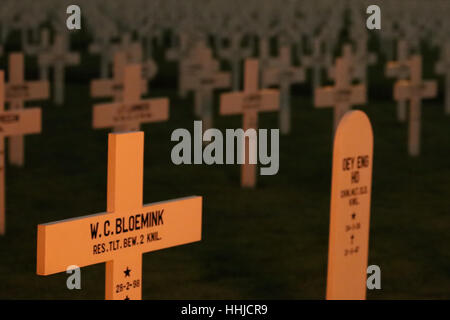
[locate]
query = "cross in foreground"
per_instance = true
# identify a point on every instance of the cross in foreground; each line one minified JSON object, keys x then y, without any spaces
{"x":128,"y":229}
{"x":351,"y":188}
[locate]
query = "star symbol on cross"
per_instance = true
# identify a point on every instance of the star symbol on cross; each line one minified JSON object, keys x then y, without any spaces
{"x":127,"y":272}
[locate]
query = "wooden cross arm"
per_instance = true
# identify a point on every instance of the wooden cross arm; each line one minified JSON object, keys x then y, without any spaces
{"x":270,"y":77}
{"x":47,"y":59}
{"x":173,"y":54}
{"x":404,"y":90}
{"x":95,"y":48}
{"x":103,"y":237}
{"x":331,"y":70}
{"x":366,"y":58}
{"x":359,"y":94}
{"x":191,"y":69}
{"x":114,"y":114}
{"x":149,"y":69}
{"x":442,"y":67}
{"x":238,"y":102}
{"x":322,"y":61}
{"x":324,"y":97}
{"x":330,"y":96}
{"x":20,"y":122}
{"x":274,"y":76}
{"x":102,"y":88}
{"x":397,"y":70}
{"x":235,"y":53}
{"x":220,"y":80}
{"x":73,"y":59}
{"x":31,"y":90}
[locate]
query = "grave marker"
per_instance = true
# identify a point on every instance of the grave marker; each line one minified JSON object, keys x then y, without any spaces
{"x":343,"y":95}
{"x":249,"y":103}
{"x":318,"y":61}
{"x":128,"y":114}
{"x":103,"y":48}
{"x":13,"y":123}
{"x":281,"y":72}
{"x":363,"y":58}
{"x":180,"y":53}
{"x":101,"y":88}
{"x":235,"y":53}
{"x":414,"y":90}
{"x":400,"y":70}
{"x":358,"y":62}
{"x":38,"y":49}
{"x":127,"y":230}
{"x":350,"y":208}
{"x":191,"y":69}
{"x":17,"y":92}
{"x":59,"y":58}
{"x":203,"y":77}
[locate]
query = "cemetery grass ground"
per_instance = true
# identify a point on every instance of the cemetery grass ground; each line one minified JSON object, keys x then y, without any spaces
{"x":270,"y":242}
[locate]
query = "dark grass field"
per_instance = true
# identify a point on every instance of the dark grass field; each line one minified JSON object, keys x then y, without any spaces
{"x":266,"y":243}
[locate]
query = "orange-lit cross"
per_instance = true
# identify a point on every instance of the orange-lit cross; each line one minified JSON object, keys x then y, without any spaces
{"x":101,"y":88}
{"x":58,"y":57}
{"x":17,"y":92}
{"x":128,"y":114}
{"x":128,"y":229}
{"x":13,"y":123}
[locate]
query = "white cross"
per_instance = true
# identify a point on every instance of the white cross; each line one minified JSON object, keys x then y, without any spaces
{"x":318,"y":61}
{"x":281,"y":72}
{"x":102,"y":88}
{"x":343,"y":95}
{"x":414,"y":90}
{"x":249,"y":103}
{"x":43,"y":46}
{"x":191,"y":68}
{"x":235,"y":53}
{"x":204,"y":77}
{"x":59,"y":58}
